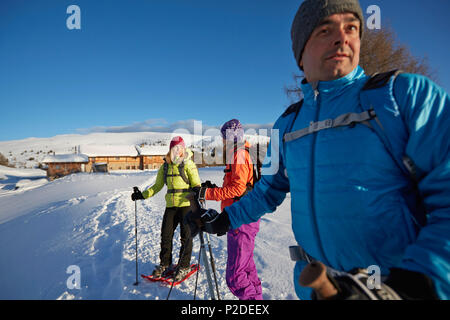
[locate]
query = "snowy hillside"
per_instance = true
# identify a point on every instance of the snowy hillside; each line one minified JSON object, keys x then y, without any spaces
{"x":28,"y":153}
{"x":87,"y":220}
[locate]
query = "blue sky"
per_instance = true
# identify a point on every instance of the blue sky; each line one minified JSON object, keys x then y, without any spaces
{"x":140,"y":64}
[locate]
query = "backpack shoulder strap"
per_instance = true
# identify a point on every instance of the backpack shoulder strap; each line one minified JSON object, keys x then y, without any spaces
{"x":183,"y":173}
{"x":378,"y":95}
{"x":181,"y":170}
{"x":256,"y":166}
{"x":293,"y":108}
{"x":165,"y":169}
{"x":379,"y":80}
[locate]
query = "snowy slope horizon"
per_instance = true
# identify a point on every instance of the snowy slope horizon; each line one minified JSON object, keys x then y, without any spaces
{"x":29,"y":152}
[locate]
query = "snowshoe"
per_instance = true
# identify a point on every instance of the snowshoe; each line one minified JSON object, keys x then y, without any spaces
{"x":160,"y":271}
{"x":181,"y":273}
{"x":168,"y":276}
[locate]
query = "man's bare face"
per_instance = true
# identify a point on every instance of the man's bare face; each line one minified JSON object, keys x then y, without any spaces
{"x":333,"y":48}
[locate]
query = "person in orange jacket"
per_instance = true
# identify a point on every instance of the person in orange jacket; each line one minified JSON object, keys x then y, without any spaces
{"x":241,"y":274}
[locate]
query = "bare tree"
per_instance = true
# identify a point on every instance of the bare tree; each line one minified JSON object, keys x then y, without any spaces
{"x":380,"y":52}
{"x":3,"y":160}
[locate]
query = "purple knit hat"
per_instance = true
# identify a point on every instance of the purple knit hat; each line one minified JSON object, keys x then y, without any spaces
{"x":232,"y":131}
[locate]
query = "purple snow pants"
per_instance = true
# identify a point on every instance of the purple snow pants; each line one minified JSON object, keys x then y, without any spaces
{"x":242,"y":277}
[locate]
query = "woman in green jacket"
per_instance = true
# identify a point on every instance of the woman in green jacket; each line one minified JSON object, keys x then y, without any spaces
{"x":180,"y":174}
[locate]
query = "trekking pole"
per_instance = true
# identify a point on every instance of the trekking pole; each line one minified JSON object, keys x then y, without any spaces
{"x":136,"y":190}
{"x":314,"y":276}
{"x":173,"y":281}
{"x":195,"y":206}
{"x":196,"y":276}
{"x":206,"y":264}
{"x":213,"y":265}
{"x":170,"y":291}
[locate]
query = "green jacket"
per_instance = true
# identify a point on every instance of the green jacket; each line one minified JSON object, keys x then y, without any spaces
{"x":175,"y":197}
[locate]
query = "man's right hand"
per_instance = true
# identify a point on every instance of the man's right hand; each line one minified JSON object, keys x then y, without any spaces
{"x":358,"y":285}
{"x":215,"y":222}
{"x":210,"y":221}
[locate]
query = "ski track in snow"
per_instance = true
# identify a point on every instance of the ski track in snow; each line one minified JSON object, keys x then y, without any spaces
{"x":96,"y":231}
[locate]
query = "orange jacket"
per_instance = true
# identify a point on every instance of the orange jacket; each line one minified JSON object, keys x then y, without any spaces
{"x":235,"y":180}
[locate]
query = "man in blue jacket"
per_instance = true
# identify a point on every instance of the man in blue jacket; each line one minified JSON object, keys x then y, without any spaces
{"x":351,"y":202}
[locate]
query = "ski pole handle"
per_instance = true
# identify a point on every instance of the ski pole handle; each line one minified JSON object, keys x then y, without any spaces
{"x":314,"y":276}
{"x":135,"y":189}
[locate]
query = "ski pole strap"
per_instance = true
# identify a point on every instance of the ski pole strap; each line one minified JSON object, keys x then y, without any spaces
{"x":177,"y":190}
{"x":297,"y":253}
{"x":201,"y":195}
{"x":347,"y":119}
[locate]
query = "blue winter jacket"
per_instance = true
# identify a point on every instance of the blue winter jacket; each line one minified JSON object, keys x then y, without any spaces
{"x":347,"y":194}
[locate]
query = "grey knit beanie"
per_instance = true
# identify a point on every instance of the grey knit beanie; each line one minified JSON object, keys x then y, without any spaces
{"x":311,"y":13}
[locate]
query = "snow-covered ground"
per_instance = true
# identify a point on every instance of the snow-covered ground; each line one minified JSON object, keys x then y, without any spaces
{"x":87,"y":220}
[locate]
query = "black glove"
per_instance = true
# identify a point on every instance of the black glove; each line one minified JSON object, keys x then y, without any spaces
{"x":216,"y":223}
{"x":199,"y":219}
{"x":193,"y":217}
{"x":411,"y":285}
{"x":208,"y":184}
{"x":354,"y":285}
{"x":196,"y":191}
{"x":137,"y":195}
{"x":199,"y":193}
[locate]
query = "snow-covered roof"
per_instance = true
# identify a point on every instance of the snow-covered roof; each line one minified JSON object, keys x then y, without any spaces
{"x":108,"y":150}
{"x":65,"y":158}
{"x":152,"y":150}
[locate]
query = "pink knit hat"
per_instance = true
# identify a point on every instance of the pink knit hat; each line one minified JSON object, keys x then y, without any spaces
{"x":176,"y":141}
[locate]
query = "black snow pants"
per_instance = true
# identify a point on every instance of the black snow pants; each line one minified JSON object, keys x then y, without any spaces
{"x":172,"y":217}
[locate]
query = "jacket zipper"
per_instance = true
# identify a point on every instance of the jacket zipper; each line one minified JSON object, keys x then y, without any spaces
{"x":312,"y":176}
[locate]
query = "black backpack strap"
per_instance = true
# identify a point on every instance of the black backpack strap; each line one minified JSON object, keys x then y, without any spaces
{"x":165,"y":169}
{"x":394,"y":146}
{"x":183,"y":173}
{"x":293,"y":108}
{"x":379,"y":80}
{"x":178,"y":190}
{"x":249,"y":186}
{"x":228,"y":169}
{"x":257,"y":166}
